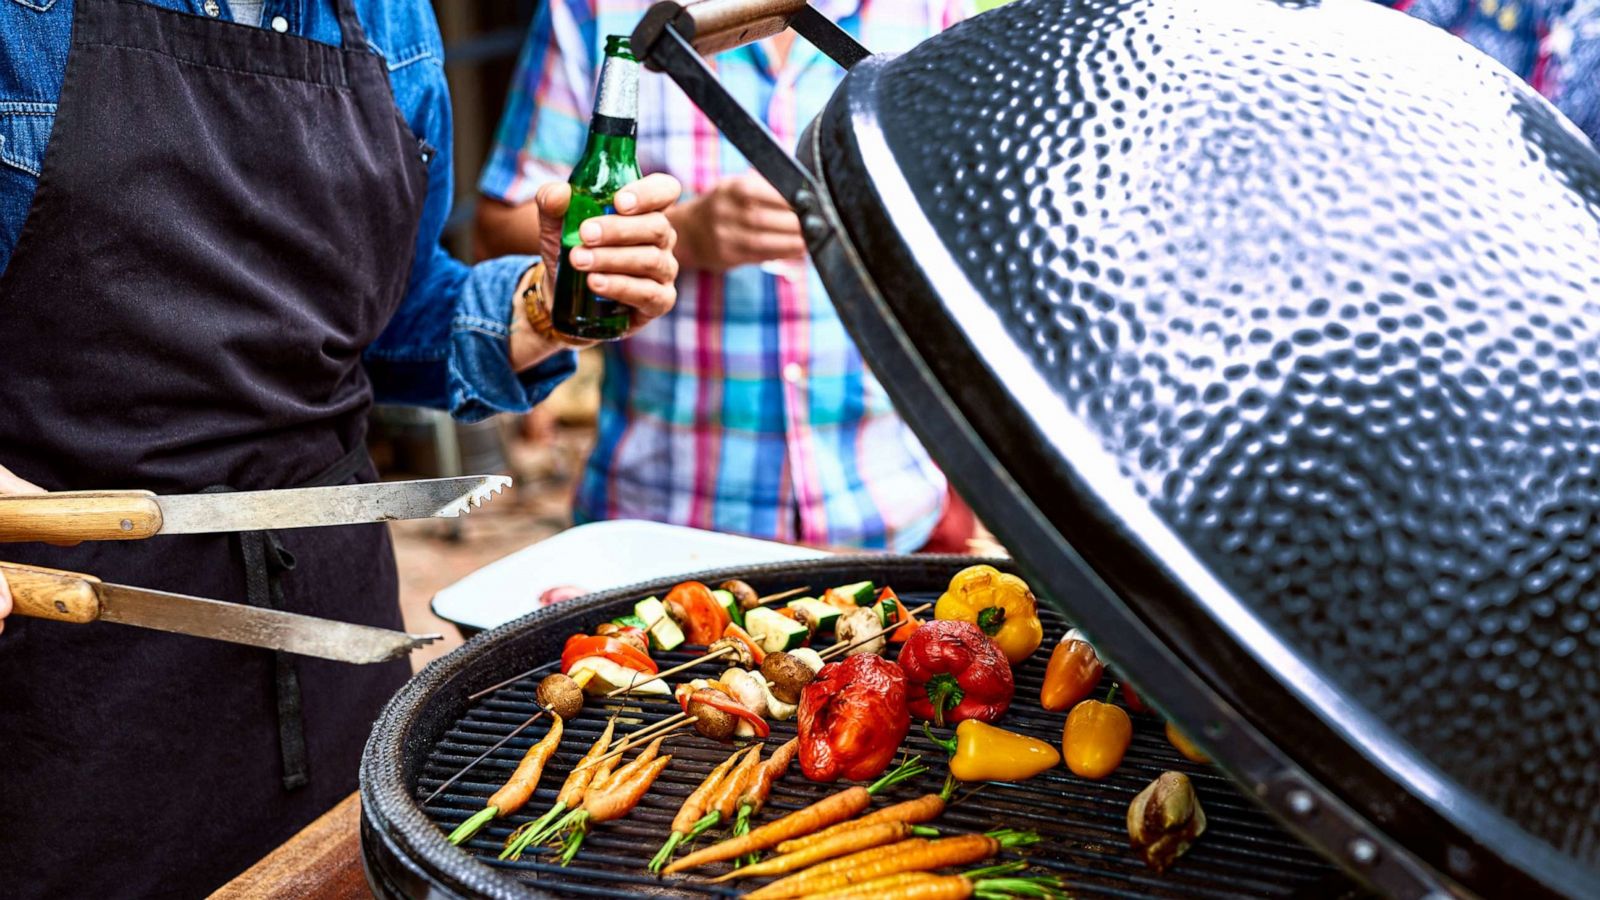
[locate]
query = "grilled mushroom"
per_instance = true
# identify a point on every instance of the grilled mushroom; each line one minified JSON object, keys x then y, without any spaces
{"x":748,"y":689}
{"x":857,"y":624}
{"x":561,"y":695}
{"x":627,"y":635}
{"x":789,"y":676}
{"x":744,"y":593}
{"x":712,"y":722}
{"x":740,"y":656}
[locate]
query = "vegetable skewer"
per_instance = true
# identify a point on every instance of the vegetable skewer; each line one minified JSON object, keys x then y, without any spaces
{"x":827,"y":811}
{"x":517,"y":789}
{"x":581,"y":679}
{"x":913,"y":855}
{"x":571,"y":794}
{"x":693,"y":807}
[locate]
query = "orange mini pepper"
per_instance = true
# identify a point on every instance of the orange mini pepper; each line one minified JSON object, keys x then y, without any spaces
{"x":1096,"y":736}
{"x":1182,"y":744}
{"x":1072,"y":674}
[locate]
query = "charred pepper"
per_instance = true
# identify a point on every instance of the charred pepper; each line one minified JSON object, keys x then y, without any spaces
{"x":954,"y":672}
{"x":852,"y":719}
{"x":999,"y":604}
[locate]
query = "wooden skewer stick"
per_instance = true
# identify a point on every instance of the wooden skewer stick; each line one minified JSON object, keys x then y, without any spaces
{"x":782,"y":595}
{"x":673,"y":723}
{"x":840,"y":649}
{"x":672,"y":671}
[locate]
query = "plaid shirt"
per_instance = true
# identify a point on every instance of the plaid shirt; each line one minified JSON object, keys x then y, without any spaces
{"x":748,"y":409}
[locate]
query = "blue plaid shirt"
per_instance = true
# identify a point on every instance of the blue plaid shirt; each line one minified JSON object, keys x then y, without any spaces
{"x":748,"y":409}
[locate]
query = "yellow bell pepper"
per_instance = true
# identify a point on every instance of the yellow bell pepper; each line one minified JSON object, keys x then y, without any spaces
{"x":982,"y":752}
{"x":1000,"y":604}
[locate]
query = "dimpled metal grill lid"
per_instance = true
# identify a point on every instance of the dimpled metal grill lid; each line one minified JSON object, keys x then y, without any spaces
{"x":1309,"y":296}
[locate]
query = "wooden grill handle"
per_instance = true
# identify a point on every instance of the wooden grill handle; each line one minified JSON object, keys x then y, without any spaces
{"x":713,"y":26}
{"x":42,"y":593}
{"x":79,"y":516}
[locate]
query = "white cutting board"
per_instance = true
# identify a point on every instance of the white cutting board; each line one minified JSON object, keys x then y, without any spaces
{"x":597,"y":557}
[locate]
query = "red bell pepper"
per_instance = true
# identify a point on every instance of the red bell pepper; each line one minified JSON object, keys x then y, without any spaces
{"x":955,"y":672}
{"x":852,"y":719}
{"x":718,"y":700}
{"x":620,"y":652}
{"x":743,"y":637}
{"x":702,"y":617}
{"x":901,"y":614}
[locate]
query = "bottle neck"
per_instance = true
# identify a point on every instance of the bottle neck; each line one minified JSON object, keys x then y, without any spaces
{"x":618,"y":99}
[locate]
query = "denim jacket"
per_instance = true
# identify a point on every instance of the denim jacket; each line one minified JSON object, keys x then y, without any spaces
{"x":446,"y":346}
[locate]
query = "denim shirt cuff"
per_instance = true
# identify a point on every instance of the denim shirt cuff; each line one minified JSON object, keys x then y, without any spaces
{"x":481,"y":382}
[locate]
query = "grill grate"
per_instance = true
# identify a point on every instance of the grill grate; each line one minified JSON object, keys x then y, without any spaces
{"x":1243,"y":852}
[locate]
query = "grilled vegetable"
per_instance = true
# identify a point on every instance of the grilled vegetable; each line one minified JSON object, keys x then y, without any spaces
{"x":1183,"y":745}
{"x":913,"y":855}
{"x":561,"y":695}
{"x":1164,"y":819}
{"x":747,"y":688}
{"x":1096,"y":736}
{"x":982,"y":752}
{"x":694,"y":806}
{"x":861,"y":593}
{"x":615,"y":662}
{"x":998,"y":603}
{"x":571,"y":794}
{"x":697,"y":612}
{"x":913,"y":812}
{"x":754,"y":651}
{"x":1072,"y":674}
{"x":774,"y":632}
{"x":852,"y":719}
{"x":740,"y":655}
{"x":827,"y":811}
{"x":744,"y":596}
{"x":518,"y":788}
{"x":855,"y":625}
{"x":789,"y":674}
{"x":612,"y":798}
{"x":985,"y":884}
{"x":887,"y":597}
{"x":838,"y":844}
{"x":723,"y":803}
{"x":664,"y":633}
{"x":955,"y":672}
{"x":760,"y":787}
{"x":815,"y":615}
{"x":718,"y":715}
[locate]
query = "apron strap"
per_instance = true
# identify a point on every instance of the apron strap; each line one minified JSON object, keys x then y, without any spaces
{"x":350,"y":31}
{"x":266,"y":561}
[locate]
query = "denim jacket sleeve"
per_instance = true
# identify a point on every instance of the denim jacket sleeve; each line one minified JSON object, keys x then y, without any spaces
{"x":447,"y":345}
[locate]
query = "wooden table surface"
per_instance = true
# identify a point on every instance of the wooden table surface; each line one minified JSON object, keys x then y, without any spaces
{"x":323,"y":861}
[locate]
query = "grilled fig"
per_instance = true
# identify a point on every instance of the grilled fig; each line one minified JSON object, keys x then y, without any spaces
{"x":744,"y":593}
{"x":561,"y":695}
{"x":1164,"y":819}
{"x":789,"y":676}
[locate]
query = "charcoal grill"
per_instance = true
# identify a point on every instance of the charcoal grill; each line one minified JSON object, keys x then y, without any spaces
{"x":431,"y":730}
{"x":1263,"y":332}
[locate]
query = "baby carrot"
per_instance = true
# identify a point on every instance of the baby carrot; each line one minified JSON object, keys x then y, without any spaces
{"x":914,"y":855}
{"x":689,"y":813}
{"x":571,"y":794}
{"x":518,"y":788}
{"x":827,"y":811}
{"x":838,"y":845}
{"x":616,"y":799}
{"x":912,"y":812}
{"x":927,"y":886}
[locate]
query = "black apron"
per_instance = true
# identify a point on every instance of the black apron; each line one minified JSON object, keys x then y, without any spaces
{"x":226,"y":217}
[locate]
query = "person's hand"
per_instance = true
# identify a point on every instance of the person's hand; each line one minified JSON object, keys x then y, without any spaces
{"x":742,"y":221}
{"x":11,"y":484}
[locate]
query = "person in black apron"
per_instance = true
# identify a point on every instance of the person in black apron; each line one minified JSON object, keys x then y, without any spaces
{"x":174,"y":320}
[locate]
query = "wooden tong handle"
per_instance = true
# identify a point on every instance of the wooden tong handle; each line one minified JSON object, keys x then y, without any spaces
{"x":51,"y":593}
{"x":80,"y":516}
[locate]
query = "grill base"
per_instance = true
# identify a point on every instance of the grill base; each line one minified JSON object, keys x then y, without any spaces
{"x":1243,"y":853}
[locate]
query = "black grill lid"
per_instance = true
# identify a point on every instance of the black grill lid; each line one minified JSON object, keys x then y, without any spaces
{"x":1278,"y":322}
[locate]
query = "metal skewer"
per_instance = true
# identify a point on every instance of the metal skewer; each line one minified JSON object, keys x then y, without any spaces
{"x":643,"y":736}
{"x":515,"y":678}
{"x":485,"y":755}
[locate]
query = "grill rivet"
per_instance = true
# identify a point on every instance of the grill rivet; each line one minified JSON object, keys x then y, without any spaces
{"x":1301,"y":802}
{"x":1363,"y":851}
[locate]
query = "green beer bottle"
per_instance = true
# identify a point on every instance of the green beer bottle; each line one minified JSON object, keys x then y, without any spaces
{"x":608,"y":164}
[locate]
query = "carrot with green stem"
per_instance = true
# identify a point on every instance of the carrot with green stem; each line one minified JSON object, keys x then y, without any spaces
{"x":615,"y":798}
{"x":571,"y":794}
{"x":851,"y":841}
{"x":912,"y":812}
{"x":689,"y":813}
{"x":724,"y":800}
{"x":993,"y":883}
{"x":827,"y":811}
{"x":760,"y":787}
{"x":913,"y":855}
{"x":517,"y":790}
